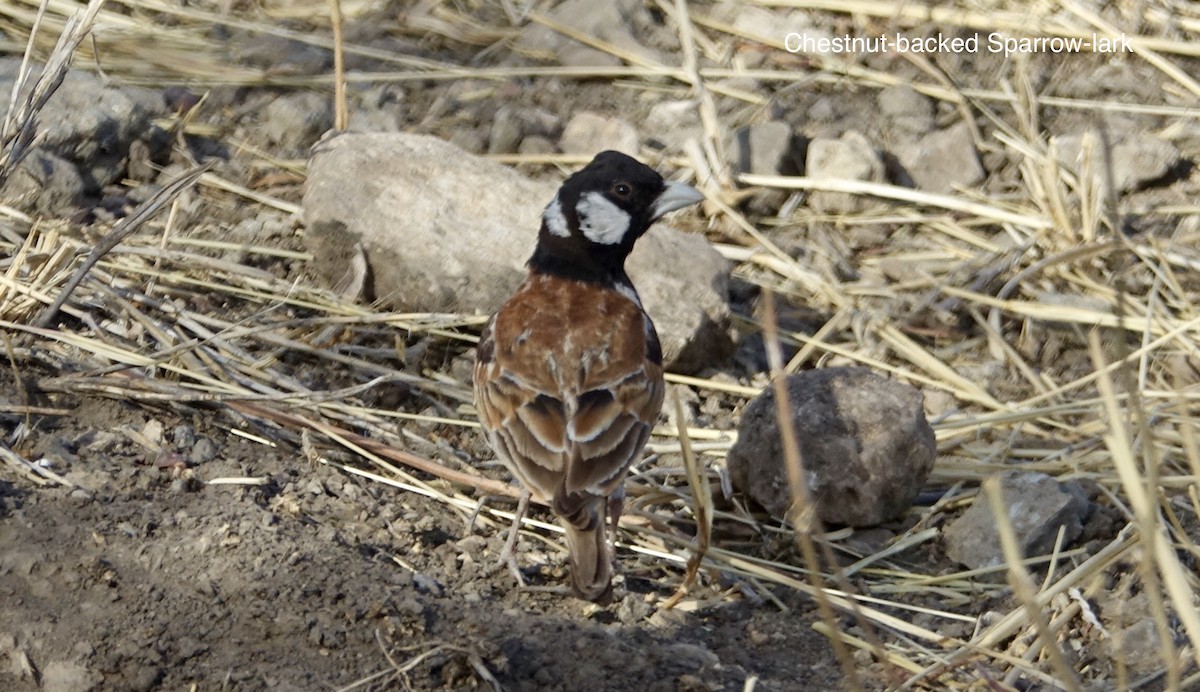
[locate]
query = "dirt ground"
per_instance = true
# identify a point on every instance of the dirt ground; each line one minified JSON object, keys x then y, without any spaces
{"x":145,"y":574}
{"x":153,"y":581}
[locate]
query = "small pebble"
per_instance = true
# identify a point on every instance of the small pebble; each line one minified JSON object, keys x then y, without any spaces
{"x":427,"y":584}
{"x":184,"y":437}
{"x":153,"y":431}
{"x":203,"y":451}
{"x":471,"y":544}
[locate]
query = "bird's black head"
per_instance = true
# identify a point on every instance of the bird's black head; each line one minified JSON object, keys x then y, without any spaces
{"x":599,"y":212}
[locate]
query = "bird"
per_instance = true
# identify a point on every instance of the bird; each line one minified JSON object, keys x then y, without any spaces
{"x":568,"y":376}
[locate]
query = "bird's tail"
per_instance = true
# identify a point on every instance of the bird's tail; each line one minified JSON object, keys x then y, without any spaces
{"x":591,"y":564}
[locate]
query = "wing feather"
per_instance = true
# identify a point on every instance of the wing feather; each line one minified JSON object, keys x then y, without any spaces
{"x":568,"y":386}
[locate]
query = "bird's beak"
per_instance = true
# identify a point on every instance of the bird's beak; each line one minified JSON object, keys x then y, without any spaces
{"x":674,"y":196}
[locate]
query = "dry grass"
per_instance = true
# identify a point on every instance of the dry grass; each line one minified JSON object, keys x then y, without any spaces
{"x":1113,"y":401}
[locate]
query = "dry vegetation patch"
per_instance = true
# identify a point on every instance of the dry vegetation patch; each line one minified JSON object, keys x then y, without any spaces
{"x":1048,"y":311}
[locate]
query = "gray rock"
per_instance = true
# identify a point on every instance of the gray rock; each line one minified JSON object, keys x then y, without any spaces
{"x":67,"y":676}
{"x":44,"y":184}
{"x":850,"y":157}
{"x":535,"y":144}
{"x":1124,"y":159}
{"x":441,"y":230}
{"x":689,"y":302}
{"x":295,"y":121}
{"x":470,"y":141}
{"x":91,"y":124}
{"x":259,"y":49}
{"x":379,"y":109}
{"x":774,"y":23}
{"x":1133,"y":80}
{"x":769,"y":148}
{"x":1037,"y":506}
{"x":375,"y":120}
{"x":203,"y":451}
{"x":512,"y":125}
{"x":1128,"y":614}
{"x":590,"y":133}
{"x":183,"y":436}
{"x":507,"y":132}
{"x":864,"y":443}
{"x":1137,"y":646}
{"x":674,"y":122}
{"x":609,"y":21}
{"x":765,"y":148}
{"x":907,"y":112}
{"x":941,"y":160}
{"x":824,"y":109}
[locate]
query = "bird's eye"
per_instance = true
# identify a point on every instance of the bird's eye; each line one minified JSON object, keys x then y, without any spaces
{"x":622,"y":190}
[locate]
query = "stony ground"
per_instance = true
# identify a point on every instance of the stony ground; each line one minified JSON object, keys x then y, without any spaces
{"x":314,"y":581}
{"x":144,"y":574}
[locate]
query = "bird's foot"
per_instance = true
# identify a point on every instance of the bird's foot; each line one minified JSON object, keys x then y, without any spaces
{"x":508,"y":556}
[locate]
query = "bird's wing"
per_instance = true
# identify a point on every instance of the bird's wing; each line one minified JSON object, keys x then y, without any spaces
{"x":524,"y":425}
{"x":568,"y":401}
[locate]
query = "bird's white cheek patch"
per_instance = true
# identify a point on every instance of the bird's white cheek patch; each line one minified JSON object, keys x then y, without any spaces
{"x":556,"y":223}
{"x":600,"y":220}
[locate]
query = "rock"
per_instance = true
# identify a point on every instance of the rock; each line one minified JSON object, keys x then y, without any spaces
{"x":941,"y":160}
{"x":440,"y":230}
{"x":1121,"y":159}
{"x":95,"y":442}
{"x":91,"y":124}
{"x":632,"y":610}
{"x":689,"y":304}
{"x":809,"y":37}
{"x":608,"y":21}
{"x":295,"y":121}
{"x":851,"y":157}
{"x":69,"y":677}
{"x":261,"y":228}
{"x":672,"y":123}
{"x":512,"y":125}
{"x":1137,"y":646}
{"x":590,"y":133}
{"x":864,"y":443}
{"x":153,"y":431}
{"x":536,"y":145}
{"x":769,"y":148}
{"x":376,"y":120}
{"x":203,"y":451}
{"x":470,"y":141}
{"x":765,"y":149}
{"x":147,"y":157}
{"x":1037,"y":506}
{"x":259,"y":49}
{"x":379,"y":109}
{"x":824,"y":109}
{"x":1136,"y":81}
{"x":689,"y":656}
{"x":1128,"y":614}
{"x":507,"y":132}
{"x":44,"y":184}
{"x":907,"y":112}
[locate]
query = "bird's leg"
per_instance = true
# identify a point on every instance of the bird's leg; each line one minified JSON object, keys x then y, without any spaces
{"x":616,"y":505}
{"x":483,"y":500}
{"x":508,"y":556}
